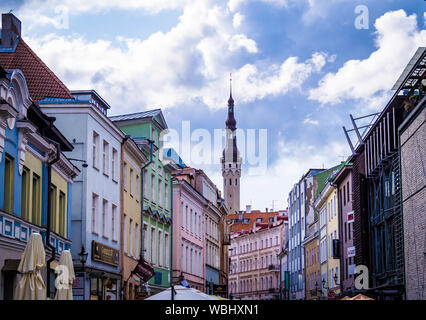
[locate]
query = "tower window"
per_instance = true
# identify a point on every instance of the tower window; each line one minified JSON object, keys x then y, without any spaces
{"x":230,"y":165}
{"x":230,"y":182}
{"x":235,"y":181}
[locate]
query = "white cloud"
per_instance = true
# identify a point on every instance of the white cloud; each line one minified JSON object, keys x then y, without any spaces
{"x":310,"y":121}
{"x":397,"y":38}
{"x":45,"y":12}
{"x":237,"y":20}
{"x":190,"y":62}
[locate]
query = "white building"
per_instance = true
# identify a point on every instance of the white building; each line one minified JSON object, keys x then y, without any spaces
{"x":96,"y":193}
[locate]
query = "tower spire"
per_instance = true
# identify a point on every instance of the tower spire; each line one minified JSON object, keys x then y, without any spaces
{"x":230,"y":100}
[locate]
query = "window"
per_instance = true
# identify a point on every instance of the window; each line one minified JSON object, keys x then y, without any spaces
{"x":152,"y":187}
{"x":159,"y":195}
{"x":95,"y":149}
{"x":344,"y":195}
{"x":53,"y":208}
{"x":145,"y":183}
{"x":347,"y":190}
{"x":36,"y":200}
{"x":160,"y":248}
{"x":131,"y":236}
{"x":95,"y":213}
{"x":235,"y":181}
{"x":166,"y":191}
{"x":153,"y":246}
{"x":25,"y":194}
{"x":166,"y":251}
{"x":114,"y":164}
{"x":186,"y":218}
{"x":131,"y":183}
{"x":105,"y":158}
{"x":9,"y":167}
{"x":137,"y":188}
{"x":62,"y":214}
{"x":145,"y":236}
{"x":105,"y":218}
{"x":125,"y":176}
{"x":230,"y":182}
{"x":114,"y":221}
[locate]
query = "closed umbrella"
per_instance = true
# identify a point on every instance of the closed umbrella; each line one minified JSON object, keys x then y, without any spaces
{"x":31,"y":286}
{"x":182,"y":293}
{"x":65,"y":278}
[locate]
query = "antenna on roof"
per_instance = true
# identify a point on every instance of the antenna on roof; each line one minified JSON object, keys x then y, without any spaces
{"x":10,"y":10}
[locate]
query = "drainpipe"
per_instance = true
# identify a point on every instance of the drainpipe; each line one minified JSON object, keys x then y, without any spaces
{"x":49,"y":211}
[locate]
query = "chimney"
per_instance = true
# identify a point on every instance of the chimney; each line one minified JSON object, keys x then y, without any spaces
{"x":248,"y":208}
{"x":266,"y":210}
{"x":10,"y":30}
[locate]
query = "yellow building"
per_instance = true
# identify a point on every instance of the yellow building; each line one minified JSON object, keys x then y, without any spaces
{"x":131,"y":163}
{"x":312,"y":267}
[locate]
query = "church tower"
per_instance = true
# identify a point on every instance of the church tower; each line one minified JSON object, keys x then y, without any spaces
{"x":231,"y":161}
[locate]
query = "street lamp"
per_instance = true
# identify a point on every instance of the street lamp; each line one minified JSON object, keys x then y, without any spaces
{"x":83,"y":258}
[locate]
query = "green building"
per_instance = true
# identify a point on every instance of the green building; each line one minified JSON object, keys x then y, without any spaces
{"x":156,"y":186}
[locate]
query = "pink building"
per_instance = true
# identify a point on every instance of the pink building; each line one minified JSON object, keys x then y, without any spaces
{"x":188,"y":230}
{"x":255,"y":265}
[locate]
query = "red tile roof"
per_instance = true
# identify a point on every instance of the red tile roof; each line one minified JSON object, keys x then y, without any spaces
{"x":41,"y":81}
{"x":252,"y":216}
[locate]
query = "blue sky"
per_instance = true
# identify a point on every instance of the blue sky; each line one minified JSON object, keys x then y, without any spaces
{"x":300,"y":67}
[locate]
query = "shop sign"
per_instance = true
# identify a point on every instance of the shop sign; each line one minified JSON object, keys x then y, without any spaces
{"x":105,"y":254}
{"x":350,"y":216}
{"x":351,"y":252}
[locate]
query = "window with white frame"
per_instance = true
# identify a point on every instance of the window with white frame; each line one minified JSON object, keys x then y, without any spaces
{"x":105,"y":218}
{"x":114,"y":223}
{"x":153,"y":246}
{"x":145,"y":183}
{"x":114,"y":164}
{"x":131,"y":182}
{"x":159,"y":194}
{"x":136,"y":240}
{"x":95,"y":199}
{"x":131,"y":236}
{"x":126,"y":228}
{"x":105,"y":158}
{"x":152,"y":187}
{"x":166,"y":250}
{"x":95,"y":150}
{"x":166,"y":196}
{"x":160,"y":248}
{"x":125,"y":176}
{"x":137,"y":188}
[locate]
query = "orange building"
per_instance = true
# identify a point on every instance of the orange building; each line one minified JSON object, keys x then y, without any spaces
{"x":243,"y":221}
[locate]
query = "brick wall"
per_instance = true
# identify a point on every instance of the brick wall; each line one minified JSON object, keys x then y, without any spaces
{"x":414,"y":204}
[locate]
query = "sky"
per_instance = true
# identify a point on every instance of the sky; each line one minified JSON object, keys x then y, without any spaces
{"x":299,"y":69}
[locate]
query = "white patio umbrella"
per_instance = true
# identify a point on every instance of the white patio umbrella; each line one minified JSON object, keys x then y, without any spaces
{"x":66,"y":276}
{"x":182,"y":293}
{"x":31,"y":286}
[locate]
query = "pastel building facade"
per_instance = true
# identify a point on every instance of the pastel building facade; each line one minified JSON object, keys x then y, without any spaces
{"x":157,"y":191}
{"x":30,"y":151}
{"x":130,"y":236}
{"x":254,"y":262}
{"x":96,"y":203}
{"x":343,"y":181}
{"x":188,"y":230}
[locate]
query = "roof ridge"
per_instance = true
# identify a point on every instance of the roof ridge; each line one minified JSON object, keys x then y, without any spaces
{"x":54,"y":76}
{"x":133,"y":113}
